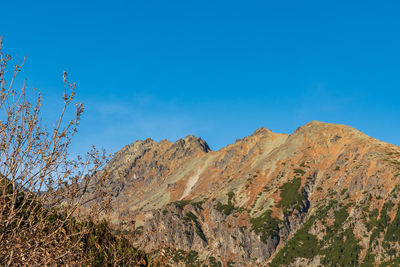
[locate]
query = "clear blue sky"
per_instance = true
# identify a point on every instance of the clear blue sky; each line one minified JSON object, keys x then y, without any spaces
{"x":215,"y":69}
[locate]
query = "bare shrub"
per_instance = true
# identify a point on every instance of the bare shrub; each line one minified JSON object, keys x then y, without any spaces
{"x":42,"y":190}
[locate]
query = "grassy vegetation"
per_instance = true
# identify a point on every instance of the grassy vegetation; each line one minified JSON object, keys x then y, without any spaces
{"x":369,"y":260}
{"x":199,"y":231}
{"x":391,"y":236}
{"x":299,"y":171}
{"x":291,"y":198}
{"x":393,"y":262}
{"x":198,"y":204}
{"x":230,"y":264}
{"x":338,"y":248}
{"x":393,"y":233}
{"x":265,"y":226}
{"x":343,"y":250}
{"x":228,"y":208}
{"x":302,"y":245}
{"x":213,"y":262}
{"x":190,"y":258}
{"x":102,"y":247}
{"x":379,"y":225}
{"x":181,"y":203}
{"x":303,"y":165}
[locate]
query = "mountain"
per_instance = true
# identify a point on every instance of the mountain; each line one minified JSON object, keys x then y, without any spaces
{"x":325,"y":195}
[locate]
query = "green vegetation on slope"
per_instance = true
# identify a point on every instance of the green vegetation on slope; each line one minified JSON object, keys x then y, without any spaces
{"x":199,"y":231}
{"x":228,"y":208}
{"x":379,"y":223}
{"x":393,"y":229}
{"x":265,"y":225}
{"x":303,"y":244}
{"x":338,"y":247}
{"x":190,"y":259}
{"x":214,"y":263}
{"x":102,"y":247}
{"x":291,"y":198}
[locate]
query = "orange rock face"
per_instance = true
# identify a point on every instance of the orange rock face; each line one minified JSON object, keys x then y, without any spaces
{"x":246,"y":202}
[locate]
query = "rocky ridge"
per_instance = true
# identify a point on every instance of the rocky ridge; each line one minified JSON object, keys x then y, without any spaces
{"x":326,"y":194}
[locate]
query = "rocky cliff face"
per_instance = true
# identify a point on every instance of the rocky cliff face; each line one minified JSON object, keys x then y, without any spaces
{"x":326,"y":194}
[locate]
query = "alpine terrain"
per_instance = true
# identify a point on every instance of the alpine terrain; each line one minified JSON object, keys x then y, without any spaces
{"x":325,"y":195}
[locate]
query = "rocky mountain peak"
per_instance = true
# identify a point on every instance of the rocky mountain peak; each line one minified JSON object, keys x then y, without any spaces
{"x":262,"y":131}
{"x":191,"y":143}
{"x":318,"y":127}
{"x":304,"y":199}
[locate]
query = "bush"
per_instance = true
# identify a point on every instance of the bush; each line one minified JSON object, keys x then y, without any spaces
{"x":291,"y":198}
{"x":265,"y":225}
{"x":43,"y":192}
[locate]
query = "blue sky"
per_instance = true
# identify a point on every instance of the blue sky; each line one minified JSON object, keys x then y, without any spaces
{"x":215,"y":69}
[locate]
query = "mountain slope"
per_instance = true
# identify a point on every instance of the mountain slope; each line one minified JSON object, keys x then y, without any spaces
{"x":325,"y":194}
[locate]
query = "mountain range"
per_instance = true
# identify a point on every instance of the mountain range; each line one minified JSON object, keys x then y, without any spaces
{"x":325,"y":195}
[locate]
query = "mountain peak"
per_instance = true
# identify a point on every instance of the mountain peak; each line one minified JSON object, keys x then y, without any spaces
{"x":262,"y":131}
{"x":318,"y":127}
{"x":260,"y":191}
{"x":192,"y":142}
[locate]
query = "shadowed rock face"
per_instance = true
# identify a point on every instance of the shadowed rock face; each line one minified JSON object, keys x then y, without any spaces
{"x":263,"y":199}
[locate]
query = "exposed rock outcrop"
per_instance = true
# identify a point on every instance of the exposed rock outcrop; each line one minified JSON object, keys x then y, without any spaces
{"x":261,"y":200}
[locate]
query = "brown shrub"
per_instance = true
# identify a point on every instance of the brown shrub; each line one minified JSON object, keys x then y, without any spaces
{"x":42,"y":191}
